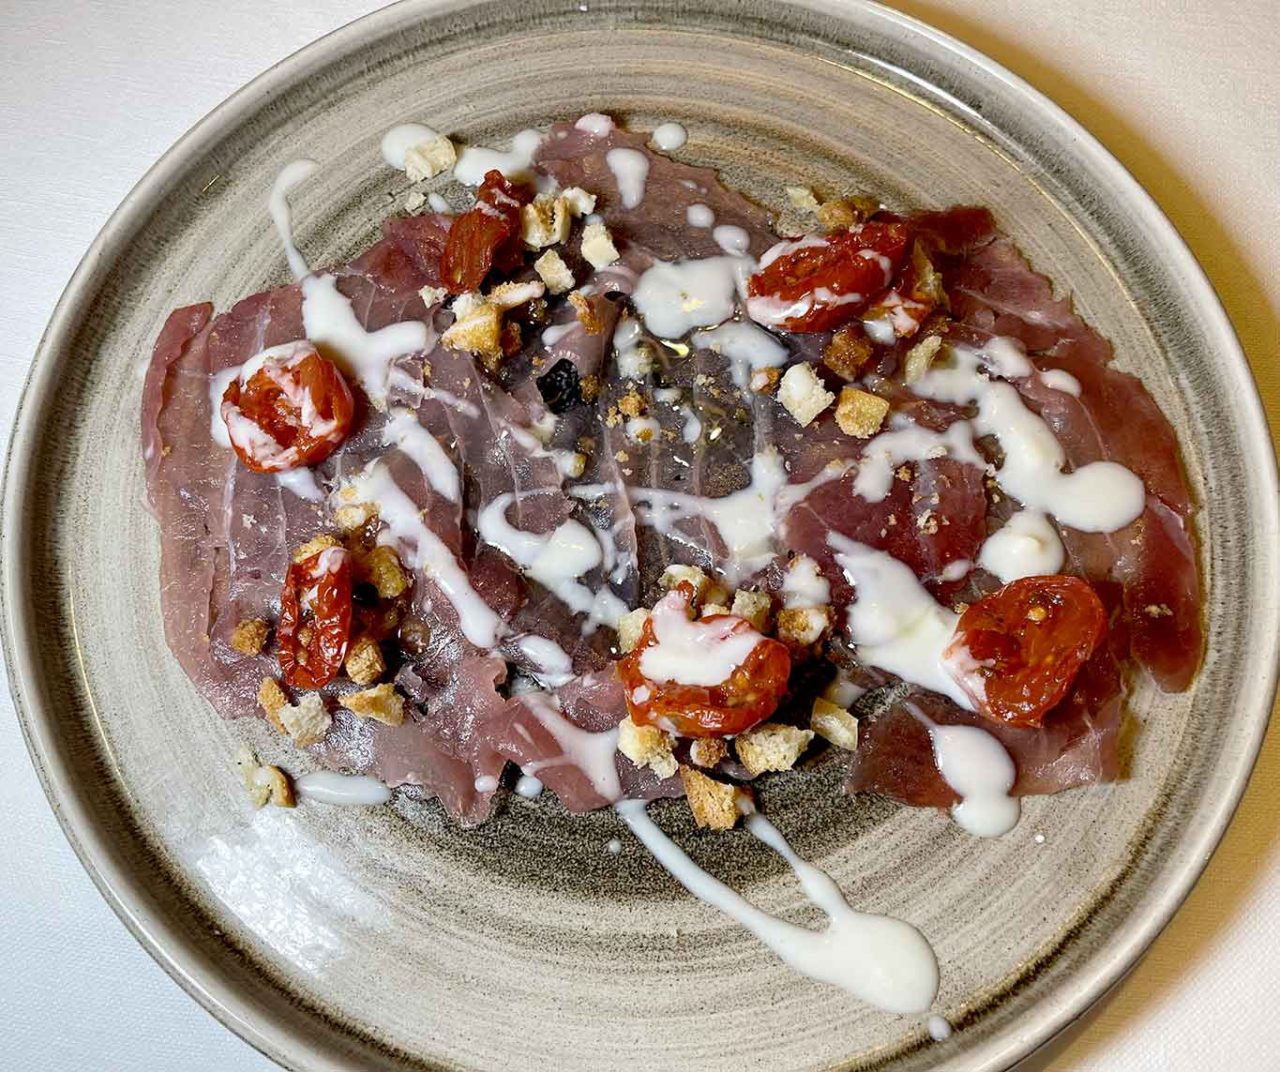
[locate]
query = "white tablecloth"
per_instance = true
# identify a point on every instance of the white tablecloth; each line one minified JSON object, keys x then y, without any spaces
{"x":1185,"y":92}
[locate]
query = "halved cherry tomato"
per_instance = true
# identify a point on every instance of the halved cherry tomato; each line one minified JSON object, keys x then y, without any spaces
{"x":916,"y":292}
{"x":486,"y":230}
{"x":748,"y":695}
{"x":1017,"y":651}
{"x":294,"y":410}
{"x":817,"y":283}
{"x":315,"y":618}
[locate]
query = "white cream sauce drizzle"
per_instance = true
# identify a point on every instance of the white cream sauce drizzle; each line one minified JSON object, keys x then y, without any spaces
{"x":669,"y":137}
{"x":330,"y":787}
{"x":894,"y":622}
{"x":439,"y":204}
{"x":1026,"y":546}
{"x":880,"y":960}
{"x":553,"y":667}
{"x":474,"y":161}
{"x":630,"y":169}
{"x":699,"y":215}
{"x":939,"y":1028}
{"x":1098,"y":497}
{"x":529,"y":787}
{"x":979,"y":769}
{"x":301,"y":482}
{"x":445,"y":398}
{"x":732,"y":239}
{"x":747,"y":347}
{"x":556,"y":560}
{"x":591,"y":753}
{"x":803,"y":584}
{"x":909,"y":442}
{"x":422,"y":550}
{"x":404,"y":432}
{"x":278,"y":204}
{"x":674,"y":298}
{"x":691,"y":430}
{"x":397,"y":141}
{"x":1060,"y":380}
{"x":595,"y":124}
{"x":694,"y":652}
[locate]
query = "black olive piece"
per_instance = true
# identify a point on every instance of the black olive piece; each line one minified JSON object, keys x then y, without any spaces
{"x":560,"y":387}
{"x":364,"y":594}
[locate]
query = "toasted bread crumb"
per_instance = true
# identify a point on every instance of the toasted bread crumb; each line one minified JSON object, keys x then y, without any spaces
{"x":478,"y":331}
{"x":507,"y":296}
{"x":307,"y":721}
{"x":249,"y":637}
{"x":585,"y":312}
{"x":545,"y":221}
{"x":632,"y":404}
{"x":848,"y":352}
{"x":265,"y":785}
{"x":802,"y":626}
{"x":429,"y":159}
{"x":433,"y":296}
{"x":630,"y":626}
{"x":271,"y":699}
{"x":920,"y":357}
{"x":771,"y":746}
{"x":381,"y":703}
{"x":834,"y":723}
{"x":579,"y":201}
{"x":364,"y":663}
{"x":597,"y":246}
{"x":715,"y":805}
{"x":708,"y":609}
{"x":802,"y":394}
{"x":860,"y":413}
{"x":351,"y":517}
{"x":386,"y":573}
{"x":707,"y":751}
{"x":802,"y":198}
{"x":647,"y":746}
{"x":846,"y":212}
{"x":764,"y":381}
{"x":676,"y":573}
{"x":315,"y":545}
{"x":553,"y":272}
{"x":753,"y":606}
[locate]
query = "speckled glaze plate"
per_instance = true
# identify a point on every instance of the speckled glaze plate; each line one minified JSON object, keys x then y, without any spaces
{"x":389,"y":938}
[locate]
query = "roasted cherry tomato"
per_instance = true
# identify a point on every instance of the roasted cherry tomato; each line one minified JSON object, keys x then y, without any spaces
{"x":1017,"y":651}
{"x":315,"y":618}
{"x":745,"y":696}
{"x":294,"y":410}
{"x":817,"y":283}
{"x":915,"y":293}
{"x":486,"y":230}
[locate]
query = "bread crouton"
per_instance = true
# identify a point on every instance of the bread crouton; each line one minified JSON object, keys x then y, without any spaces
{"x":835,"y":724}
{"x":381,"y":703}
{"x":715,"y":805}
{"x":307,"y":721}
{"x":265,"y":785}
{"x":364,"y":663}
{"x":647,"y":746}
{"x":802,"y":626}
{"x":802,"y":394}
{"x":771,"y":746}
{"x":553,"y":272}
{"x":707,"y":751}
{"x":249,"y":637}
{"x":630,"y":626}
{"x":315,"y":545}
{"x":753,"y":606}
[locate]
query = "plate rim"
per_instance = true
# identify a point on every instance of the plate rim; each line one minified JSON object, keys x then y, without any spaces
{"x":281,"y":1039}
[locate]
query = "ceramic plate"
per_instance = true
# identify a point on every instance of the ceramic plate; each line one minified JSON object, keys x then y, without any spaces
{"x":389,"y":938}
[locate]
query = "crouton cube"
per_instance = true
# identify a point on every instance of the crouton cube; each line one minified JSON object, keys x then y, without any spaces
{"x":771,"y":746}
{"x":364,"y":663}
{"x":351,"y":517}
{"x":307,"y":721}
{"x":860,"y":413}
{"x":802,"y":626}
{"x":432,"y":296}
{"x":764,"y":381}
{"x":553,"y":272}
{"x":381,"y":703}
{"x":753,"y":606}
{"x":708,"y":609}
{"x":802,"y":198}
{"x":545,"y":221}
{"x":707,"y":751}
{"x":271,"y":699}
{"x":630,"y":626}
{"x":315,"y":545}
{"x":715,"y":805}
{"x":802,"y":394}
{"x":647,"y":746}
{"x":385,"y":572}
{"x":676,"y":573}
{"x":428,"y":159}
{"x":580,"y":202}
{"x":249,"y":637}
{"x":835,"y":724}
{"x":478,"y":332}
{"x":848,"y":352}
{"x":511,"y":295}
{"x":265,"y":785}
{"x":597,"y":246}
{"x":837,"y":215}
{"x":920,"y":357}
{"x":586,"y":313}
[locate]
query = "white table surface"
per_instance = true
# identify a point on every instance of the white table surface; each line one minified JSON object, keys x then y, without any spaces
{"x":1185,"y":92}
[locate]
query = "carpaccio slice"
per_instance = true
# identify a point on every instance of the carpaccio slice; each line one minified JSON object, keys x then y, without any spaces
{"x":227,"y":533}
